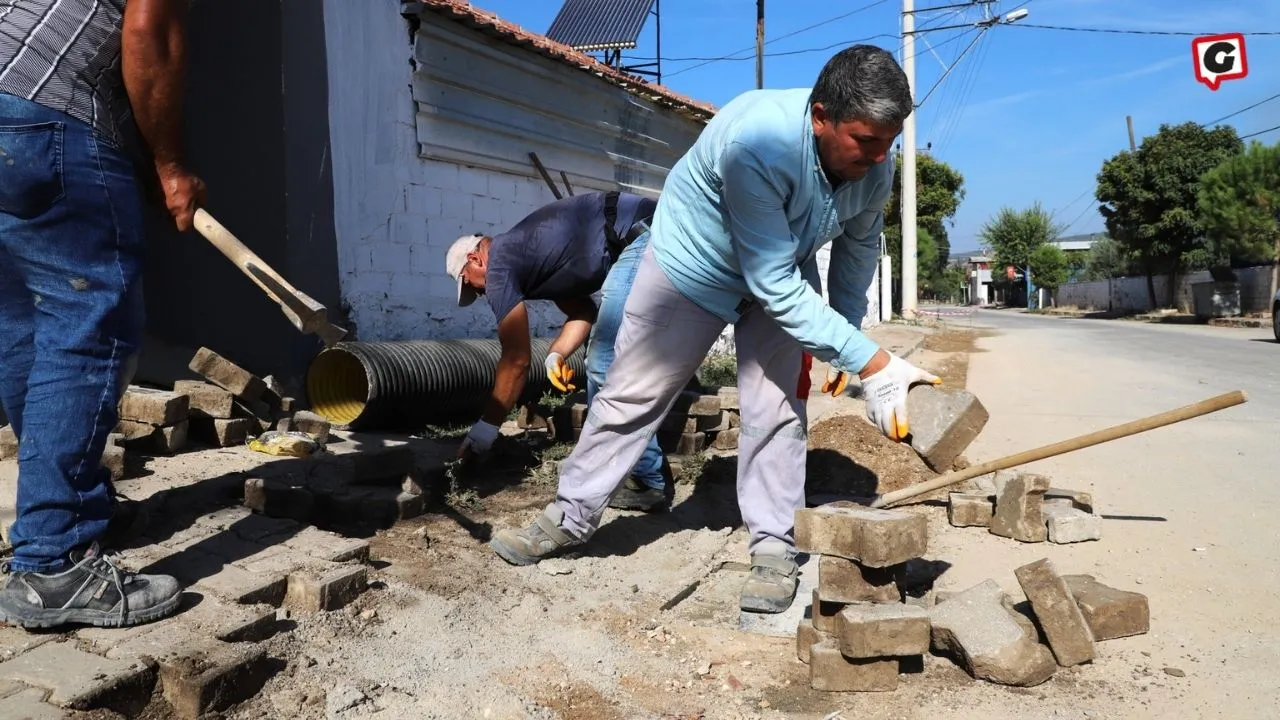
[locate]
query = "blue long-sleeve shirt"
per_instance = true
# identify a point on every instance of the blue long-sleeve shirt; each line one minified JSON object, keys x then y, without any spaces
{"x":744,"y":212}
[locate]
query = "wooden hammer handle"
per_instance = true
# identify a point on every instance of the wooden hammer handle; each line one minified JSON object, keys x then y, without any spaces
{"x":1115,"y":432}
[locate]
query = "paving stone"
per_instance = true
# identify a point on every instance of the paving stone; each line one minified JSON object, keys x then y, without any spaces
{"x":154,"y":407}
{"x":205,"y":399}
{"x":979,"y":629}
{"x":944,"y":421}
{"x":113,"y":461}
{"x":221,"y":432}
{"x":1076,"y":498}
{"x":1068,"y":524}
{"x":831,"y":671}
{"x":311,"y":424}
{"x":276,"y":499}
{"x":970,"y":509}
{"x":209,"y":573}
{"x":377,"y":465}
{"x":414,"y":483}
{"x":79,"y":680}
{"x":14,"y":641}
{"x":8,"y":443}
{"x":209,"y":618}
{"x":329,"y":546}
{"x":529,"y":419}
{"x":1111,"y":613}
{"x":1019,"y":514}
{"x":823,"y":613}
{"x":846,"y":581}
{"x":682,"y":443}
{"x":926,"y":599}
{"x":806,"y":636}
{"x":695,"y":404}
{"x":876,"y":538}
{"x":726,"y":440}
{"x":210,"y":676}
{"x":249,"y":525}
{"x":578,"y":415}
{"x":869,"y":630}
{"x":227,"y":375}
{"x":153,"y":439}
{"x":728,"y":398}
{"x":332,"y":591}
{"x":1064,"y":625}
{"x":28,"y":704}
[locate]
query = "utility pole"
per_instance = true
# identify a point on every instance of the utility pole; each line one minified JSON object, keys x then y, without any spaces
{"x":759,"y":44}
{"x":909,"y":292}
{"x":1129,"y":121}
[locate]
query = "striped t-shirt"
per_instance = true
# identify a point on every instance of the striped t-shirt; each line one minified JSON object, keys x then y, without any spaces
{"x":65,"y":55}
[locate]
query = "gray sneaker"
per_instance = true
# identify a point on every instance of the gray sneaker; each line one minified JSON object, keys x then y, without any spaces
{"x":771,"y":586}
{"x":542,"y":539}
{"x":93,"y":591}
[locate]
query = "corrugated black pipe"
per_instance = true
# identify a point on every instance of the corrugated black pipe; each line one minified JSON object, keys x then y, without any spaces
{"x":404,"y":386}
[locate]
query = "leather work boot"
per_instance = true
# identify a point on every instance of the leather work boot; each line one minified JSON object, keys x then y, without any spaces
{"x":635,"y":495}
{"x":542,"y":539}
{"x":771,"y":586}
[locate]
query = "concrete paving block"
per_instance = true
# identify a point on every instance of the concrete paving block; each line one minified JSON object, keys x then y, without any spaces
{"x":8,"y":443}
{"x":1076,"y":498}
{"x":211,"y":574}
{"x":682,"y":443}
{"x":866,"y":630}
{"x":205,"y":399}
{"x":729,"y":399}
{"x":153,"y":439}
{"x":978,"y":628}
{"x":1068,"y":524}
{"x":726,"y":439}
{"x":14,"y":641}
{"x":154,"y":407}
{"x":210,"y":676}
{"x":876,"y":538}
{"x":1111,"y":613}
{"x":312,"y":424}
{"x":79,"y":680}
{"x":846,"y":581}
{"x":249,"y":525}
{"x":823,"y":613}
{"x":944,"y":421}
{"x":113,"y":461}
{"x":970,"y":509}
{"x":332,"y":591}
{"x":227,"y":375}
{"x":696,"y":405}
{"x":221,"y":432}
{"x":830,"y":671}
{"x":276,"y":499}
{"x":29,"y":704}
{"x":1019,"y":513}
{"x":329,"y":546}
{"x":806,"y":636}
{"x":1064,"y":625}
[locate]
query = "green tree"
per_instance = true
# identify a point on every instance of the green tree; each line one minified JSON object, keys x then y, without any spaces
{"x":1149,"y":198}
{"x":939,"y":191}
{"x":1048,"y":266}
{"x":926,"y":260}
{"x":1106,"y":259}
{"x":1239,"y":204}
{"x":1013,"y":235}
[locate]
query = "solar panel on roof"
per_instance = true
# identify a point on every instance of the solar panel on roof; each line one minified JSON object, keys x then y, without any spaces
{"x":600,"y":24}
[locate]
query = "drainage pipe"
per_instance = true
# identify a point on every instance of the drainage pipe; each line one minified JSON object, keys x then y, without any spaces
{"x":406,"y":385}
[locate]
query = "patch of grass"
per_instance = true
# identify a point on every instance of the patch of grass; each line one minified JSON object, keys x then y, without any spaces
{"x":546,"y":473}
{"x":719,"y":370}
{"x":445,"y":432}
{"x":553,"y":400}
{"x":464,"y":500}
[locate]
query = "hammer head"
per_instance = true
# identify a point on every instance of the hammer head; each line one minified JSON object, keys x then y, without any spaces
{"x":944,"y":421}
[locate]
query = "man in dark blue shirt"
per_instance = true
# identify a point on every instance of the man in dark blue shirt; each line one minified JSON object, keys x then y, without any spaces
{"x":563,"y":252}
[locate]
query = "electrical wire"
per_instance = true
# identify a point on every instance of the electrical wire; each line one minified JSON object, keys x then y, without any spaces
{"x":1120,"y":31}
{"x":1260,"y":132}
{"x":1227,"y":117}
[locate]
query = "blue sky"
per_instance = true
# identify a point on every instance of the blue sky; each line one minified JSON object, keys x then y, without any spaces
{"x":1026,"y":115}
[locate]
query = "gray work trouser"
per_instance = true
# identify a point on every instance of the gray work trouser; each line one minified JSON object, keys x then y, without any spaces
{"x":663,"y":339}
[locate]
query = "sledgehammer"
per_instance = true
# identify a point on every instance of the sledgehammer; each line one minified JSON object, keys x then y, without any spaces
{"x":1115,"y":432}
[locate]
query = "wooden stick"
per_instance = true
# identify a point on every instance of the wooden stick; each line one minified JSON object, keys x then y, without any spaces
{"x":1115,"y":432}
{"x":568,"y":188}
{"x":538,"y":164}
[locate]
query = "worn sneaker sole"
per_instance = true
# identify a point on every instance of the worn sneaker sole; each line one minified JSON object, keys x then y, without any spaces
{"x":638,"y":503}
{"x":54,"y":617}
{"x":751,"y":603}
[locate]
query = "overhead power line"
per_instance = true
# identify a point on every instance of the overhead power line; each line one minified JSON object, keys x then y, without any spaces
{"x":1122,"y":31}
{"x":1260,"y":132}
{"x":1241,"y":110}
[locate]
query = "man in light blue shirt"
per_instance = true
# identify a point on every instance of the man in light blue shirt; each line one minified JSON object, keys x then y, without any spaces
{"x":775,"y":175}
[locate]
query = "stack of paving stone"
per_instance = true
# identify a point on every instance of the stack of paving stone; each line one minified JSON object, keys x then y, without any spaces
{"x":1025,"y":507}
{"x":861,"y":632}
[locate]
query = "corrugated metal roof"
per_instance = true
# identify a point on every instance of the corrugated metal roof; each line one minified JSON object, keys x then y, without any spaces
{"x":471,"y":16}
{"x":600,"y":24}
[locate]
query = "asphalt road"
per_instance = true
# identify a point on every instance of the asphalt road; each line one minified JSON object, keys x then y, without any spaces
{"x":1192,"y":510}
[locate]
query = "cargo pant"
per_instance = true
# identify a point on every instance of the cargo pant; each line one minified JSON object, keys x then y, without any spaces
{"x":663,"y":339}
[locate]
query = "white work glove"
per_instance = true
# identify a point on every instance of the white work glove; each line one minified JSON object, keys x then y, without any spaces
{"x":479,"y":439}
{"x":885,"y":393}
{"x":559,"y":372}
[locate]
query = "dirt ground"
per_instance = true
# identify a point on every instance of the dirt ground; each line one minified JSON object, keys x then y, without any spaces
{"x":641,"y":624}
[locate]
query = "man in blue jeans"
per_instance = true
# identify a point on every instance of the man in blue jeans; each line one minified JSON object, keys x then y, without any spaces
{"x":75,"y":80}
{"x":564,"y":252}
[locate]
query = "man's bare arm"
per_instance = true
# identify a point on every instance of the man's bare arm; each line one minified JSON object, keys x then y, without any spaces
{"x":580,"y":313}
{"x":154,"y":65}
{"x":513,"y":367}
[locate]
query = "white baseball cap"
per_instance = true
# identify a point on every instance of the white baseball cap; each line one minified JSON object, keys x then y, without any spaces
{"x":455,"y":260}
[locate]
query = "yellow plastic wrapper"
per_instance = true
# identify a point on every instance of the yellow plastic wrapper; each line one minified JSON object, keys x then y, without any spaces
{"x":284,"y":444}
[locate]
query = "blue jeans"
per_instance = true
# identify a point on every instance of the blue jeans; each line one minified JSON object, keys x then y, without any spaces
{"x":71,"y":314}
{"x":600,"y":353}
